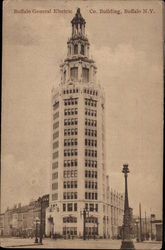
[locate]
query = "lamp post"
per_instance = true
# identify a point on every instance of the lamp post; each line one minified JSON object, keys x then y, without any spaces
{"x":84,"y":220}
{"x":137,"y":231}
{"x":152,"y":219}
{"x":93,"y":221}
{"x":42,"y":201}
{"x":36,"y":223}
{"x":97,"y":223}
{"x":85,"y":213}
{"x":127,"y":242}
{"x":94,"y":237}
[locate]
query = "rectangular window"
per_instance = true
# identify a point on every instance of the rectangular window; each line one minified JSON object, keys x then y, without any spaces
{"x":55,"y":175}
{"x":55,"y":135}
{"x":75,"y":206}
{"x":54,"y":196}
{"x":69,"y":206}
{"x":64,"y":207}
{"x":55,"y":125}
{"x":55,"y":105}
{"x":55,"y":144}
{"x":56,"y":115}
{"x":55,"y":155}
{"x":76,"y":49}
{"x":91,"y":207}
{"x":74,"y":73}
{"x":85,"y":74}
{"x":55,"y":186}
{"x":64,"y":75}
{"x":55,"y":165}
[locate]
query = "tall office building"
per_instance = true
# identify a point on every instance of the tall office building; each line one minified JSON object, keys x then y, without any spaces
{"x":78,"y":169}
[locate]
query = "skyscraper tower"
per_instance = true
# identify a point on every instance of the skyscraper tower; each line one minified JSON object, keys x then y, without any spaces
{"x":78,"y":171}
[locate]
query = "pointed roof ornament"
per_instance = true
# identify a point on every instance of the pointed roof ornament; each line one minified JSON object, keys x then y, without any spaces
{"x":78,"y":18}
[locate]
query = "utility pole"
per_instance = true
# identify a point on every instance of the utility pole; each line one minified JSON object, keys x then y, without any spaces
{"x":41,"y":221}
{"x":140,"y":221}
{"x":145,"y":226}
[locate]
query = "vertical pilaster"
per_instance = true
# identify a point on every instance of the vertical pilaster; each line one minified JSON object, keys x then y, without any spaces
{"x":81,"y":165}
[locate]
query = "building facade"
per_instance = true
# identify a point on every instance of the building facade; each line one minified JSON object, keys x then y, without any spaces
{"x":20,"y":220}
{"x":1,"y":224}
{"x":78,"y":170}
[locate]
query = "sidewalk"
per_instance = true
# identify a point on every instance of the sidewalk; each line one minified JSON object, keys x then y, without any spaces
{"x":75,"y":244}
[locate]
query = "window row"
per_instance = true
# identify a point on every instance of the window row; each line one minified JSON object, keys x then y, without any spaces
{"x":70,"y":173}
{"x":90,"y":112}
{"x":90,"y":174}
{"x":91,"y":132}
{"x":55,"y":165}
{"x":70,"y":184}
{"x":69,"y":207}
{"x":76,"y":49}
{"x":91,"y":207}
{"x":54,"y":196}
{"x":71,"y":101}
{"x":73,"y":131}
{"x":70,"y":163}
{"x":55,"y":175}
{"x":92,"y":153}
{"x":90,"y":196}
{"x":55,"y":186}
{"x":56,"y":144}
{"x":55,"y":155}
{"x":89,"y":122}
{"x":55,"y":135}
{"x":92,"y":219}
{"x":73,"y":121}
{"x":55,"y":125}
{"x":69,"y":231}
{"x":70,"y":152}
{"x":70,"y":142}
{"x":91,"y":92}
{"x":90,"y":163}
{"x":70,"y":91}
{"x":70,"y":219}
{"x":69,"y":195}
{"x":91,"y":231}
{"x":90,"y":102}
{"x":91,"y":184}
{"x":89,"y":142}
{"x":73,"y":111}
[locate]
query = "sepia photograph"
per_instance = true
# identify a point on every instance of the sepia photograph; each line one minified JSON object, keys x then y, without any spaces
{"x":82,"y":124}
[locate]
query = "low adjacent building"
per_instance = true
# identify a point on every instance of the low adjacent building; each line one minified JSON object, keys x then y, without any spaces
{"x":1,"y":224}
{"x":20,"y":220}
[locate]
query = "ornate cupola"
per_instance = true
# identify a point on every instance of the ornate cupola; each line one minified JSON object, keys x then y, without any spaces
{"x":78,"y":44}
{"x":78,"y":25}
{"x":78,"y":67}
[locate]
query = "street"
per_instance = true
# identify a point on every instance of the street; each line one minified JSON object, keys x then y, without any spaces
{"x":75,"y":244}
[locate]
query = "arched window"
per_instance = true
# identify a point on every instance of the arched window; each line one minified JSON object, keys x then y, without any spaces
{"x":74,"y":73}
{"x":75,"y":49}
{"x":85,"y":74}
{"x":82,"y":49}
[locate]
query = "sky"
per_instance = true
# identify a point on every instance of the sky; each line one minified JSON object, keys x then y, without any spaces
{"x":127,"y":49}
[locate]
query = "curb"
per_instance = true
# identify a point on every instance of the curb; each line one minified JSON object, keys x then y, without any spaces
{"x":34,"y":244}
